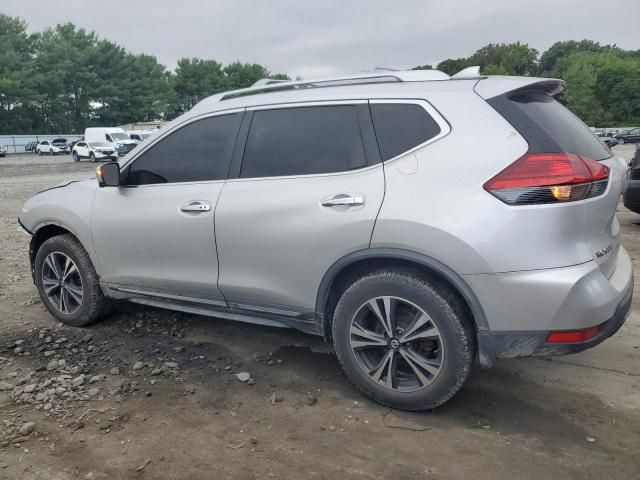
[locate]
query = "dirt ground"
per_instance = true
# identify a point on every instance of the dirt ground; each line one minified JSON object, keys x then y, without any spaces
{"x":153,"y":394}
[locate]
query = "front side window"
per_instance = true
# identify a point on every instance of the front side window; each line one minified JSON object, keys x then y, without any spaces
{"x":199,"y":151}
{"x":303,"y":141}
{"x":401,"y":126}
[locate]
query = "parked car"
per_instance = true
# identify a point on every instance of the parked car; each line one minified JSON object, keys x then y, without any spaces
{"x":94,"y":151}
{"x":629,"y":136}
{"x":610,"y":141}
{"x":139,"y":135}
{"x":3,"y":151}
{"x":113,"y":135}
{"x":600,"y":132}
{"x":414,"y":221}
{"x":53,"y":147}
{"x":631,"y":196}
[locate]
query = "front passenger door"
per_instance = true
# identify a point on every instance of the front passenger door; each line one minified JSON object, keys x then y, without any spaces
{"x":156,"y":232}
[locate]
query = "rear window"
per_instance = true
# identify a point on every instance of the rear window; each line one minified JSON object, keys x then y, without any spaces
{"x":401,"y":126}
{"x":548,"y":126}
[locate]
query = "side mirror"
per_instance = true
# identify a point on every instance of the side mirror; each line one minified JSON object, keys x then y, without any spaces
{"x":108,"y":174}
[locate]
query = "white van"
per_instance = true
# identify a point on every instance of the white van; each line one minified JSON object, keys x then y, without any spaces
{"x":113,"y":135}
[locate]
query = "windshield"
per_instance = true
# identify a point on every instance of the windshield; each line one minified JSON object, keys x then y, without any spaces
{"x":120,"y":136}
{"x":99,"y":144}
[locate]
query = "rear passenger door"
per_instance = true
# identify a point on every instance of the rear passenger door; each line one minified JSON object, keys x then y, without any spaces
{"x":306,"y":192}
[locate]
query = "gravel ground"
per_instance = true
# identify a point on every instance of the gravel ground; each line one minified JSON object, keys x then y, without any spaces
{"x":154,"y":394}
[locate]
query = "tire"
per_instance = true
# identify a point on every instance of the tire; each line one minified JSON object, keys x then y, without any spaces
{"x":51,"y":152}
{"x":76,"y":158}
{"x":93,"y":303}
{"x":620,"y":141}
{"x":39,"y":152}
{"x":412,"y":295}
{"x":93,"y":157}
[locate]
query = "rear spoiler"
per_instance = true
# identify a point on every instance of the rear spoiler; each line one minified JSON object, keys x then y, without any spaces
{"x":493,"y":86}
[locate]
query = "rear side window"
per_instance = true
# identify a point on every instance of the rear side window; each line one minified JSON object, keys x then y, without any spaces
{"x":199,"y":151}
{"x":548,"y":126}
{"x":303,"y":141}
{"x":401,"y":126}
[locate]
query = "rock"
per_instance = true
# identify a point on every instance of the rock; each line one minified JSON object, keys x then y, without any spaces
{"x":332,"y":428}
{"x":41,"y":396}
{"x":79,"y":380}
{"x":48,"y":407}
{"x":49,"y":353}
{"x":93,"y":392}
{"x":30,"y":388}
{"x":17,"y":350}
{"x":148,"y":394}
{"x":95,"y":379}
{"x":173,"y":365}
{"x":243,"y":376}
{"x":178,"y":349}
{"x":311,"y":400}
{"x":251,"y":381}
{"x":590,"y":439}
{"x":52,"y":365}
{"x":115,"y":371}
{"x":156,"y":371}
{"x":62,"y":362}
{"x":138,"y":365}
{"x":276,"y":398}
{"x":4,"y":386}
{"x":27,"y":428}
{"x":17,"y":343}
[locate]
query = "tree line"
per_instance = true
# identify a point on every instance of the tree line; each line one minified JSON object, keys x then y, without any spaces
{"x":66,"y":78}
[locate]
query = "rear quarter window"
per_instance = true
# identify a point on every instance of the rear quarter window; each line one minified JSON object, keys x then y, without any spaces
{"x":548,"y":126}
{"x":400,"y":127}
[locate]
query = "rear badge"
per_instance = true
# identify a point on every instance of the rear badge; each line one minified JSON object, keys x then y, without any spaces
{"x":603,"y":251}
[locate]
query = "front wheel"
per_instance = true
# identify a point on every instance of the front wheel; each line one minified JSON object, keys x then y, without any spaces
{"x":404,"y":341}
{"x":93,"y":157}
{"x":67,"y":282}
{"x":75,"y":157}
{"x":621,"y":141}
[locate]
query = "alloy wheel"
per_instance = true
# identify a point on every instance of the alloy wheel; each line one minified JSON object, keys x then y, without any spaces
{"x":397,"y":344}
{"x":62,"y":283}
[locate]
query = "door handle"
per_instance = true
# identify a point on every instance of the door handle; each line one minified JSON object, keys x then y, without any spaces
{"x":343,"y":199}
{"x":196,"y":206}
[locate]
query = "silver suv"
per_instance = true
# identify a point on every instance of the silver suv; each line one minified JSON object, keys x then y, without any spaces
{"x":416,"y":220}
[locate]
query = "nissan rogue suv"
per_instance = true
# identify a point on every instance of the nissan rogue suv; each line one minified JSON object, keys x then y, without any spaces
{"x":417,"y":221}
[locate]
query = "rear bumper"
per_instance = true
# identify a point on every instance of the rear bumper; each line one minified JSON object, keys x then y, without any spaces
{"x":534,"y":344}
{"x":631,"y":196}
{"x":522,"y":308}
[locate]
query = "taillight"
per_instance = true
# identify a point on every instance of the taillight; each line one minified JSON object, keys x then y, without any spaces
{"x":549,"y":178}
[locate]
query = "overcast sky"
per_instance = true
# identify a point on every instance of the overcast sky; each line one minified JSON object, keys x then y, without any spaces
{"x":322,"y":38}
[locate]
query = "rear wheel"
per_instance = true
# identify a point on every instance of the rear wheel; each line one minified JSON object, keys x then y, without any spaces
{"x":403,"y":340}
{"x":621,"y":141}
{"x":67,"y":282}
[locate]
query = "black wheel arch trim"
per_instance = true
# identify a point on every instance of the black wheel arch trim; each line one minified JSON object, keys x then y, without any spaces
{"x":485,"y":346}
{"x":35,"y":238}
